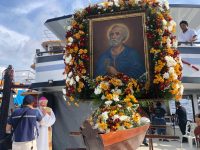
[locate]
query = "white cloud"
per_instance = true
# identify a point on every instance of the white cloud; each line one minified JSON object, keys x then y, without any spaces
{"x":17,"y":49}
{"x":11,"y":40}
{"x":28,"y":7}
{"x":2,"y":68}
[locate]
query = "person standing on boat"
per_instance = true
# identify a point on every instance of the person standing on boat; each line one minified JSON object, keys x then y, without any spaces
{"x":187,"y":35}
{"x":47,"y":121}
{"x":159,"y":119}
{"x":182,"y":119}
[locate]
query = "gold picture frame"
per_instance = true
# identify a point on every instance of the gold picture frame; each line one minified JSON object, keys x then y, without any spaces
{"x":99,"y":29}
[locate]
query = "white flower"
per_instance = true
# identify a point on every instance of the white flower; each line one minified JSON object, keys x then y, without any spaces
{"x":103,"y":97}
{"x":175,"y":43}
{"x":170,"y":61}
{"x":169,"y":42}
{"x":104,"y":115}
{"x":69,"y":28}
{"x":181,"y":89}
{"x":70,"y":39}
{"x":175,"y":76}
{"x":116,"y":3}
{"x":144,"y":120}
{"x":122,"y":118}
{"x":118,"y":105}
{"x":97,"y":90}
{"x":103,"y":4}
{"x":116,"y":91}
{"x":67,"y":80}
{"x":171,"y":70}
{"x":70,"y":74}
{"x":164,"y":22}
{"x":115,"y":97}
{"x":95,"y":126}
{"x":180,"y":61}
{"x":71,"y":82}
{"x":137,"y":1}
{"x":68,"y":59}
{"x":108,"y":103}
{"x":115,"y":117}
{"x":164,"y":3}
{"x":77,"y":78}
{"x":64,"y":91}
{"x":69,"y":44}
{"x":166,"y":75}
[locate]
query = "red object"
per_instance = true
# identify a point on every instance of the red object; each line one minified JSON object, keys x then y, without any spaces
{"x":124,"y":139}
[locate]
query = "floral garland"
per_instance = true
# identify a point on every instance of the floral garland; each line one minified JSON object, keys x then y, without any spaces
{"x":118,"y":93}
{"x":162,"y":45}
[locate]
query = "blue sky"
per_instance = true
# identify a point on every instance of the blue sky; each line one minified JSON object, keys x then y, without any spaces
{"x":22,"y":26}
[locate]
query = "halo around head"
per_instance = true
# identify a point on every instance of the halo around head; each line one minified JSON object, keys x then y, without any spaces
{"x":122,"y":26}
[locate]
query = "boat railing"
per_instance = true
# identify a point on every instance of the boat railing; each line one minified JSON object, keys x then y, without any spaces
{"x":49,"y":53}
{"x":188,"y":44}
{"x":24,"y":76}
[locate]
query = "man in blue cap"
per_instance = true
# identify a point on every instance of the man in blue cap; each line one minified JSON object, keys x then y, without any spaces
{"x":23,"y":122}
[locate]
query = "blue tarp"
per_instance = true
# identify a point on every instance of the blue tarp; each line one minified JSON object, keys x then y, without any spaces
{"x":19,"y":98}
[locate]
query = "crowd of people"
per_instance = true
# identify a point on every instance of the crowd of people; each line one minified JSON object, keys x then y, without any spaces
{"x":30,"y":125}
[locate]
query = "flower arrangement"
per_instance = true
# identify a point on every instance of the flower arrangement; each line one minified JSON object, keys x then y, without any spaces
{"x":118,"y":103}
{"x":118,"y":93}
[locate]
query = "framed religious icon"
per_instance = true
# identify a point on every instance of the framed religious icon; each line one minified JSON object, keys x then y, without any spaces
{"x":118,"y":45}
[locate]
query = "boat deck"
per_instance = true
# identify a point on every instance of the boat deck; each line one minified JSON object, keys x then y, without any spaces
{"x":171,"y":145}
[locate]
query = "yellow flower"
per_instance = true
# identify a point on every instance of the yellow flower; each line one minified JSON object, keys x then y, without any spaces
{"x":133,"y":98}
{"x":79,"y":90}
{"x":81,"y":32}
{"x":109,"y":96}
{"x":159,"y":66}
{"x":71,"y":98}
{"x":81,"y":51}
{"x":160,"y":31}
{"x":103,"y":126}
{"x":81,"y":26}
{"x":127,"y":125}
{"x":99,"y":78}
{"x":104,"y":86}
{"x":154,"y":51}
{"x":158,"y":79}
{"x":116,"y":82}
{"x":177,"y":69}
{"x":170,"y":51}
{"x":83,"y":71}
{"x":77,"y":36}
{"x":81,"y":84}
{"x":76,"y":49}
{"x":127,"y":99}
{"x":76,"y":104}
{"x":136,"y":117}
{"x":74,"y":23}
{"x":178,"y":97}
{"x":68,"y":103}
{"x":112,"y":113}
{"x":129,"y":104}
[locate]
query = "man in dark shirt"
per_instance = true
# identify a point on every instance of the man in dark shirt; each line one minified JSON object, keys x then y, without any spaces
{"x":182,"y":119}
{"x":159,"y":119}
{"x":23,"y":120}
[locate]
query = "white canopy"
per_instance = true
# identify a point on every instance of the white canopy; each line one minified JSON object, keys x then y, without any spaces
{"x":179,"y":12}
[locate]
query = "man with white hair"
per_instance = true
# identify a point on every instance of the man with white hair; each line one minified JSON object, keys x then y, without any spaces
{"x":119,"y":58}
{"x":48,"y":119}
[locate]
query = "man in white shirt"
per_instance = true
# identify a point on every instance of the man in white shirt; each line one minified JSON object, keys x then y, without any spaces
{"x":47,"y":121}
{"x":187,"y":35}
